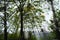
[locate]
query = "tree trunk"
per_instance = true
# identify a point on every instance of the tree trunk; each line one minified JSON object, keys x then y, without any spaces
{"x":55,"y":21}
{"x":5,"y":22}
{"x":21,"y":16}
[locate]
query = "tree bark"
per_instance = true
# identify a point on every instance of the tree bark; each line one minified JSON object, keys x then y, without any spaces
{"x":55,"y":21}
{"x":5,"y":21}
{"x":21,"y":16}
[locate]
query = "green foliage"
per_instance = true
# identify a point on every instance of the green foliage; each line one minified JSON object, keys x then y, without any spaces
{"x":56,"y":25}
{"x":31,"y":37}
{"x":1,"y":37}
{"x":58,"y":14}
{"x":13,"y":37}
{"x":29,"y":16}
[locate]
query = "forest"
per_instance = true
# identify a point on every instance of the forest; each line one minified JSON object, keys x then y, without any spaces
{"x":29,"y":19}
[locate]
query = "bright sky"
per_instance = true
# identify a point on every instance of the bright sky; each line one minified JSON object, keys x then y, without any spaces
{"x":48,"y":13}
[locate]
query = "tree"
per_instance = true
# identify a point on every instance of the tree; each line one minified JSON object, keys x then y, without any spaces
{"x":5,"y":20}
{"x":55,"y":21}
{"x":21,"y":12}
{"x":27,"y":14}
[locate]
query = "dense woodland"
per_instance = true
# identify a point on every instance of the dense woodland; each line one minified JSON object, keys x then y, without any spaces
{"x":24,"y":20}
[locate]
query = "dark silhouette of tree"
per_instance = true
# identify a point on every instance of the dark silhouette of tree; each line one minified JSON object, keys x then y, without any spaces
{"x":21,"y":16}
{"x":55,"y":21}
{"x":5,"y":21}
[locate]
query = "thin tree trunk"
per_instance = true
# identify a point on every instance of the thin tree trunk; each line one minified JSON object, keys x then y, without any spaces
{"x":21,"y":16}
{"x":55,"y":21}
{"x":5,"y":21}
